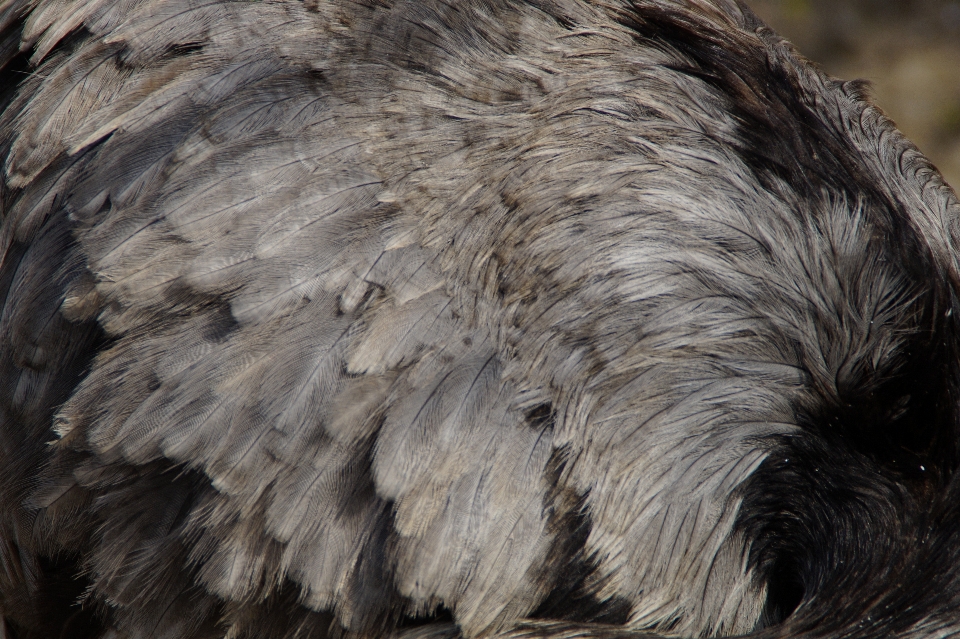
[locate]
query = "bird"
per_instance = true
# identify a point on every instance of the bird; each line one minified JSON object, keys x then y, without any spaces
{"x":422,"y":319}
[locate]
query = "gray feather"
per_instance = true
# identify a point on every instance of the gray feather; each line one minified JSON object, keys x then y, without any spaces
{"x":349,"y":316}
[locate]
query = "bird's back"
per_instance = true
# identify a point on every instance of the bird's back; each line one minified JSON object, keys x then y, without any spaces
{"x":556,"y":319}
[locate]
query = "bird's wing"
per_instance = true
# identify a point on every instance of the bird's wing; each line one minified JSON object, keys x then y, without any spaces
{"x":286,"y":391}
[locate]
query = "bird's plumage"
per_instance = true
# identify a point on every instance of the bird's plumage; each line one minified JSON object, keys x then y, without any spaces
{"x":551,"y":318}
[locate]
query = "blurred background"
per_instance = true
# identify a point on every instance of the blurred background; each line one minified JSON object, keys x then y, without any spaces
{"x":908,"y":49}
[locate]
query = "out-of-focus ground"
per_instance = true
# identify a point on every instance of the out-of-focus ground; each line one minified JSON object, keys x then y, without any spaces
{"x":908,"y":49}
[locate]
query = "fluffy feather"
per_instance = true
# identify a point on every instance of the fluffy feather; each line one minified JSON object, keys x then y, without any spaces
{"x":415,"y":319}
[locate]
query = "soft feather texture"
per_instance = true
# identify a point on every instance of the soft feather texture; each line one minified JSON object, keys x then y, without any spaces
{"x":472,"y":319}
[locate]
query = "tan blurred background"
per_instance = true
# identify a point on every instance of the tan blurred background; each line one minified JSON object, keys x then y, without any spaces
{"x":908,"y":49}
